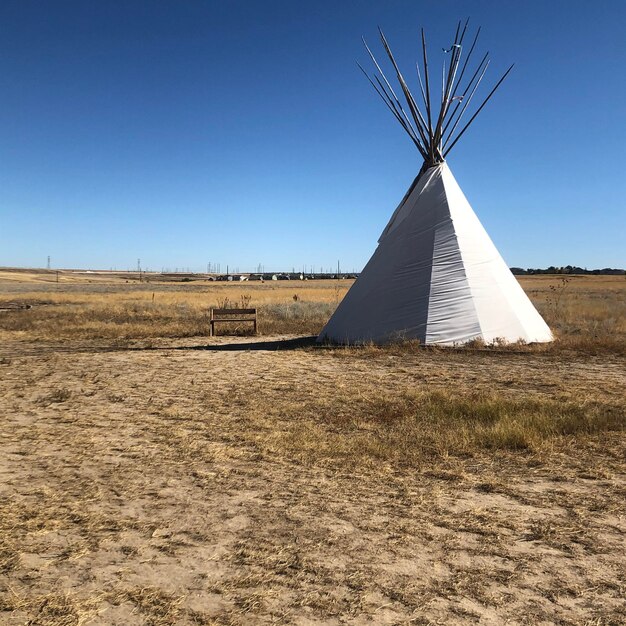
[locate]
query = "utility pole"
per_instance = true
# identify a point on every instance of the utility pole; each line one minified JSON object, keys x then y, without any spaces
{"x":48,"y":266}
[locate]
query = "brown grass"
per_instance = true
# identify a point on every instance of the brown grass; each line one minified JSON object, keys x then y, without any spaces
{"x":208,"y":487}
{"x":183,"y":485}
{"x":586,"y":313}
{"x":115,"y":312}
{"x":417,"y":428}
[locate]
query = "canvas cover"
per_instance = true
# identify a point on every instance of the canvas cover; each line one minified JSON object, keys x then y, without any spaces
{"x":435,"y":276}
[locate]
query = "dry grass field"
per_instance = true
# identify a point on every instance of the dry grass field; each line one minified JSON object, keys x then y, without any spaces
{"x":153,"y":475}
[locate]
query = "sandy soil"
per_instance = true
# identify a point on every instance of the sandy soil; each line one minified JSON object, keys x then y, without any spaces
{"x":137,"y":487}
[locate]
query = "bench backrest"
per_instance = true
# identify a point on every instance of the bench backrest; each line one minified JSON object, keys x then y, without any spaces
{"x":217,"y":313}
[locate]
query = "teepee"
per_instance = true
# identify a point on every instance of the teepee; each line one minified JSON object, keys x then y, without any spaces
{"x":436,"y":275}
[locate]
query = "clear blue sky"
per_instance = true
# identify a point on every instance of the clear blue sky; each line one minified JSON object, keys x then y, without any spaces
{"x":242,"y":132}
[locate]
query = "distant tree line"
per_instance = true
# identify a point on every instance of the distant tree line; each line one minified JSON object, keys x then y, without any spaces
{"x":568,"y":269}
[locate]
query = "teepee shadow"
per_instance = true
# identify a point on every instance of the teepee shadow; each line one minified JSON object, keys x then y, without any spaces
{"x":275,"y":344}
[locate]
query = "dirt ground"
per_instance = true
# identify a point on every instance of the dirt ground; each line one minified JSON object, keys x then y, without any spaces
{"x":146,"y":486}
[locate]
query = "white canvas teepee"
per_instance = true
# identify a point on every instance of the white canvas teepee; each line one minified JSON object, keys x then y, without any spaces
{"x":436,"y":275}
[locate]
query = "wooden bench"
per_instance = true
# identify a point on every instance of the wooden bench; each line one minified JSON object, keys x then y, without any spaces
{"x":219,"y":316}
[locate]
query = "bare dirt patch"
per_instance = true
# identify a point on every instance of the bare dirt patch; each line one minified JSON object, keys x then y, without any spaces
{"x":176,"y":484}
